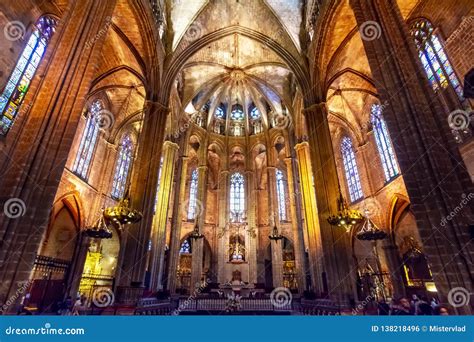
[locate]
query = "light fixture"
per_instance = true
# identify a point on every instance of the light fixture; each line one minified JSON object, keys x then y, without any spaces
{"x":275,"y":236}
{"x":370,"y":232}
{"x":122,"y":213}
{"x":345,"y":217}
{"x":196,"y":234}
{"x":99,"y":230}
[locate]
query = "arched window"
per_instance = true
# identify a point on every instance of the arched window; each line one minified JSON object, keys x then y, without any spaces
{"x":384,"y":145}
{"x":88,"y":141}
{"x":193,"y":195}
{"x":17,"y":85}
{"x":280,"y":183}
{"x":237,"y":113}
{"x":220,"y":112}
{"x":254,"y":113}
{"x":433,"y":57}
{"x":237,"y":193}
{"x":122,"y":167}
{"x":350,"y":168}
{"x":185,"y":247}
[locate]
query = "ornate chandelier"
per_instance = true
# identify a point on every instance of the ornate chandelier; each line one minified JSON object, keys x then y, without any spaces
{"x":122,"y":213}
{"x":196,"y":234}
{"x":345,"y":217}
{"x":99,"y":230}
{"x":275,"y":235}
{"x":370,"y":232}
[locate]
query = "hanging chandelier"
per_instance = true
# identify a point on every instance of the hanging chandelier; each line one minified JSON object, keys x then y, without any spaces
{"x":99,"y":230}
{"x":122,"y":213}
{"x":196,"y":234}
{"x":345,"y":217}
{"x":370,"y":232}
{"x":275,"y":236}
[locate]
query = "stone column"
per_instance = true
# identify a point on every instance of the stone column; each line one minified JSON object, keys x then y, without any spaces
{"x":297,"y":229}
{"x":223,"y":253}
{"x":198,"y":244}
{"x":432,"y":168}
{"x":176,"y":223}
{"x":335,"y":241}
{"x":276,"y":245}
{"x":315,"y":250}
{"x":161,"y":214}
{"x":33,"y":169}
{"x":143,"y":192}
{"x":251,"y":242}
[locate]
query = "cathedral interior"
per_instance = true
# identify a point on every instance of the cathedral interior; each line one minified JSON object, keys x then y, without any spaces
{"x":308,"y":157}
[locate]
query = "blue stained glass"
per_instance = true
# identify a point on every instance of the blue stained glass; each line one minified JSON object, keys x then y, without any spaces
{"x":122,"y":167}
{"x":219,"y":113}
{"x":88,"y":142}
{"x":281,"y":192}
{"x":237,"y":193}
{"x":350,"y":168}
{"x":255,"y":113}
{"x":438,"y":64}
{"x":20,"y":78}
{"x":384,"y":145}
{"x":185,"y":247}
{"x":237,"y":114}
{"x":193,"y":195}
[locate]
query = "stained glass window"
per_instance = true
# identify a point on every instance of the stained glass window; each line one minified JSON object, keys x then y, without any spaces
{"x":350,"y":168}
{"x":237,"y":193}
{"x":193,"y":195}
{"x":280,"y":182}
{"x":88,"y":141}
{"x":185,"y":247}
{"x":254,"y":113}
{"x":17,"y":86}
{"x":220,"y":112}
{"x":384,"y":145}
{"x":122,"y":167}
{"x":237,"y":113}
{"x":433,"y":57}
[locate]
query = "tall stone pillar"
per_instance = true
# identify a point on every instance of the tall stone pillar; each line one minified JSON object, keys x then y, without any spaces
{"x":276,"y":245}
{"x":223,"y":252}
{"x":161,"y":214}
{"x":176,"y":223}
{"x":143,"y":193}
{"x":432,"y":168}
{"x":32,"y":171}
{"x":251,"y":241}
{"x":297,"y":229}
{"x":335,"y":242}
{"x":198,"y":244}
{"x":395,"y":268}
{"x":308,"y":194}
